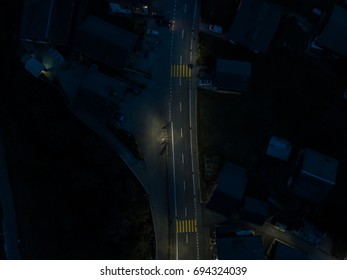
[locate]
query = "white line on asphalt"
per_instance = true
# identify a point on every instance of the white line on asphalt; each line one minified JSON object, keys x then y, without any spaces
{"x":182,"y":158}
{"x":181,"y":133}
{"x":180,"y":106}
{"x":180,"y":59}
{"x":191,"y":44}
{"x":185,"y":211}
{"x":187,"y":238}
{"x":191,"y":56}
{"x":190,"y":108}
{"x":173,"y":166}
{"x":180,"y":81}
{"x":184,"y":184}
{"x":192,"y":162}
{"x":185,"y":8}
{"x":182,"y":33}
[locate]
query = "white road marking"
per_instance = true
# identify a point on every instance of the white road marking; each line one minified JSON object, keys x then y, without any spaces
{"x":173,"y":166}
{"x":187,"y":238}
{"x":181,"y":59}
{"x":184,"y":184}
{"x":182,"y":33}
{"x":182,"y":158}
{"x":192,"y":162}
{"x":181,"y":133}
{"x":190,"y":108}
{"x":180,"y":106}
{"x":185,"y":211}
{"x":185,"y":8}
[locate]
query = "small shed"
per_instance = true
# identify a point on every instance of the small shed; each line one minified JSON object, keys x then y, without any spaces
{"x":279,"y":148}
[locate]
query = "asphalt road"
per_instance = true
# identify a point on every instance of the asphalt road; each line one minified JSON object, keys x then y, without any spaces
{"x":190,"y":238}
{"x":166,"y":110}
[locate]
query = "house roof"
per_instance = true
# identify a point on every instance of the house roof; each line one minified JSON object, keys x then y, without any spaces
{"x":232,"y":75}
{"x":46,"y":20}
{"x":255,"y":24}
{"x":334,"y":33}
{"x":320,"y":166}
{"x":240,"y":248}
{"x":229,"y":190}
{"x":105,"y":42}
{"x":317,"y":177}
{"x":100,"y":94}
{"x":279,"y":148}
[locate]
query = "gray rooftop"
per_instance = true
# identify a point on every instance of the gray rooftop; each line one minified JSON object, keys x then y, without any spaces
{"x":232,"y":75}
{"x":105,"y":42}
{"x":334,"y":34}
{"x":240,"y":248}
{"x":46,"y":20}
{"x":255,"y":24}
{"x":279,"y":148}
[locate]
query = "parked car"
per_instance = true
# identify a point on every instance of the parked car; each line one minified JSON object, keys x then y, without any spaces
{"x":164,"y":22}
{"x":152,"y":32}
{"x":204,"y":83}
{"x":216,"y":28}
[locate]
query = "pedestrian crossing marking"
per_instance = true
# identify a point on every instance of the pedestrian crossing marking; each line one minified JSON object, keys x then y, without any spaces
{"x":180,"y":70}
{"x":186,"y":226}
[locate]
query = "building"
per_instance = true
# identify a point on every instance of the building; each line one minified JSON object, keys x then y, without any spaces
{"x":104,"y":42}
{"x":46,"y":21}
{"x":232,"y":75}
{"x":254,"y":210}
{"x":317,"y":177}
{"x":279,"y":148}
{"x":93,"y":91}
{"x":333,"y":36}
{"x":255,"y":25}
{"x":240,"y":248}
{"x":228,"y":194}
